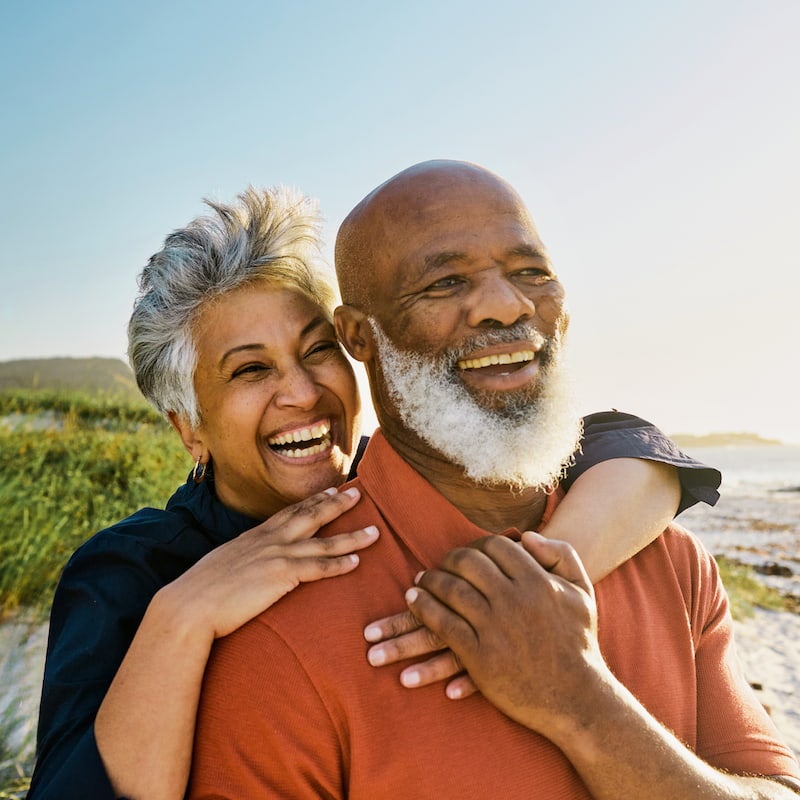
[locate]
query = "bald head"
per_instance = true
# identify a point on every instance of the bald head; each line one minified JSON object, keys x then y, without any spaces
{"x":373,"y":240}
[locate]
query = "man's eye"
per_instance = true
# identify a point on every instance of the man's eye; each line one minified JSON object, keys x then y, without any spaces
{"x":450,"y":282}
{"x":535,"y":274}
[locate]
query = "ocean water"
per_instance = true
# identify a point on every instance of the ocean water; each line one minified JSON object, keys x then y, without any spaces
{"x":757,"y":520}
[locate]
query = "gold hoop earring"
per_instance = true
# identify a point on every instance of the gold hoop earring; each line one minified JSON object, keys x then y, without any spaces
{"x":199,"y":471}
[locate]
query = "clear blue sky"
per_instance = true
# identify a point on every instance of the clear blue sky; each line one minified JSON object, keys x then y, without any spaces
{"x":656,"y":144}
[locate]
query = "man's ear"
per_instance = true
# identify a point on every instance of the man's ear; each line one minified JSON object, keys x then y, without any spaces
{"x":191,"y":439}
{"x":354,"y":332}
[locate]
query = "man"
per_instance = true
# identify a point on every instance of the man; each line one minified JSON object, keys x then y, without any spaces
{"x":628,"y":690}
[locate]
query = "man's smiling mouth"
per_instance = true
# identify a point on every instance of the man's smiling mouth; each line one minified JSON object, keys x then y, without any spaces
{"x":519,"y":357}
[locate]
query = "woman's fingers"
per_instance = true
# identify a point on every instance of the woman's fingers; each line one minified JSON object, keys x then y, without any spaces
{"x":400,"y":637}
{"x":460,"y":687}
{"x":419,"y":642}
{"x":390,"y":627}
{"x":302,"y":520}
{"x":329,"y":546}
{"x":440,"y":667}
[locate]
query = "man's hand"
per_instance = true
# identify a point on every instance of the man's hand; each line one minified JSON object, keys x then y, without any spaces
{"x":523,"y":622}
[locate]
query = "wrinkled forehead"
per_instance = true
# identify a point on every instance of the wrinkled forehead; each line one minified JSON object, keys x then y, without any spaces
{"x":440,"y":208}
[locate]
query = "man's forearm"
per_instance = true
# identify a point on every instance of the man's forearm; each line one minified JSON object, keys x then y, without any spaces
{"x":622,"y":753}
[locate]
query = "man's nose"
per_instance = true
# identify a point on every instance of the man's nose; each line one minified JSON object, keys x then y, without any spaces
{"x":496,"y":302}
{"x":297,"y":388}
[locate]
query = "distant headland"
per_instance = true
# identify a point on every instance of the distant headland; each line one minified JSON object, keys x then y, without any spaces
{"x":723,"y":440}
{"x":109,"y":376}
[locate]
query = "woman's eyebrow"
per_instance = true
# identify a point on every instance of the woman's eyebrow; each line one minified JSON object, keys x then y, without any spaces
{"x":238,"y":349}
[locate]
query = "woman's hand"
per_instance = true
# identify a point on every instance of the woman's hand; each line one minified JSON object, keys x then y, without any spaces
{"x":400,"y":637}
{"x":238,"y":580}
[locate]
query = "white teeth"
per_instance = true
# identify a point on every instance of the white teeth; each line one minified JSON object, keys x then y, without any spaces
{"x":308,"y":451}
{"x":501,"y":358}
{"x":302,"y":435}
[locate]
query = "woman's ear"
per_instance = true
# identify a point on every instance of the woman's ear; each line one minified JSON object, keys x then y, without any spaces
{"x":191,"y":439}
{"x":354,"y":332}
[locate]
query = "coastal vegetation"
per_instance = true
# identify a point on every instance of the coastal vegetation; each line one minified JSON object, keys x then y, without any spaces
{"x":72,"y":464}
{"x":689,"y":440}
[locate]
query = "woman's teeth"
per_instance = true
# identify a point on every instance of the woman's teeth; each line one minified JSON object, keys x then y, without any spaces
{"x":302,"y":452}
{"x":301,"y":435}
{"x":500,"y":358}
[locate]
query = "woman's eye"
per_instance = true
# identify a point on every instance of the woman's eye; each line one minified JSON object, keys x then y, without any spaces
{"x":323,"y":348}
{"x":250,"y":370}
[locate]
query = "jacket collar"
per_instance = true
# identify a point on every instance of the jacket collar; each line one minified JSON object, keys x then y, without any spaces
{"x":198,"y":502}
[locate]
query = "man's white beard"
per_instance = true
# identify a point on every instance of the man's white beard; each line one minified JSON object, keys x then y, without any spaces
{"x":525,"y":443}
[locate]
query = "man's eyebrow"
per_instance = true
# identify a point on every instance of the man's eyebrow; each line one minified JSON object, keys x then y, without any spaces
{"x":529,"y":251}
{"x":436,"y":260}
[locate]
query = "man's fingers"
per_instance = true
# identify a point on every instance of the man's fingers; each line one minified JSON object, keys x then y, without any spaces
{"x":558,"y":558}
{"x":456,"y":592}
{"x":449,"y":626}
{"x":419,"y":642}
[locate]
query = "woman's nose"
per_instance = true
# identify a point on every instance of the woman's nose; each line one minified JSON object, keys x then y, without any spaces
{"x":298,"y":389}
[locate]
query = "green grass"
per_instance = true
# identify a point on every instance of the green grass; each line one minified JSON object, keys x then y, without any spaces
{"x":747,"y":592}
{"x":59,"y":486}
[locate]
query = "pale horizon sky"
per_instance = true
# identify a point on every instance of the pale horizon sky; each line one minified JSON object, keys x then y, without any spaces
{"x":656,"y":145}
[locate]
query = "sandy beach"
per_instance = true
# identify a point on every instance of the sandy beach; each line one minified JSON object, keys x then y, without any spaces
{"x":769,"y":649}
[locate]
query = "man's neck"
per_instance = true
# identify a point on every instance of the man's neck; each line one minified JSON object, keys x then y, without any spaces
{"x":493,"y":508}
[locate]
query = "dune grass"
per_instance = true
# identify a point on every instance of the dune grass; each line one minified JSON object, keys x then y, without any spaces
{"x":95,"y":462}
{"x":747,"y":592}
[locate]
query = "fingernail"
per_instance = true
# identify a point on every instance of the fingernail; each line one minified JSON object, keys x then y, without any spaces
{"x":351,"y":492}
{"x":371,"y":531}
{"x":418,"y":576}
{"x":453,"y":692}
{"x":332,"y":491}
{"x":410,"y":677}
{"x":372,"y":633}
{"x":411,"y":595}
{"x":376,"y":656}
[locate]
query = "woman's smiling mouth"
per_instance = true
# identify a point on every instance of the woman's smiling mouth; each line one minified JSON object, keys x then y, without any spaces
{"x":302,"y":442}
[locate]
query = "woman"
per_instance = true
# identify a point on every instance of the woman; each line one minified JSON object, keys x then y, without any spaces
{"x":231,"y":339}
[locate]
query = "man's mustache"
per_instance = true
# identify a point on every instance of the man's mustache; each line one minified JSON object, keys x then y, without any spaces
{"x":520,"y":333}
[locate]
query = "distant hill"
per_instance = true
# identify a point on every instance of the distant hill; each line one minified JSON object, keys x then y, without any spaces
{"x":110,"y":376}
{"x":723,"y":440}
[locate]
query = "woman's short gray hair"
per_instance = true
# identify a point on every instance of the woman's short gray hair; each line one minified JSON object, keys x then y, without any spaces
{"x":270,"y":235}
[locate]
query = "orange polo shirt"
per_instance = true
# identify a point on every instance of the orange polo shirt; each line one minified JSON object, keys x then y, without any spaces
{"x":291,"y":708}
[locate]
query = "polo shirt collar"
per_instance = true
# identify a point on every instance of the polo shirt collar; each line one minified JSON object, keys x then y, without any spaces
{"x":418,"y":514}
